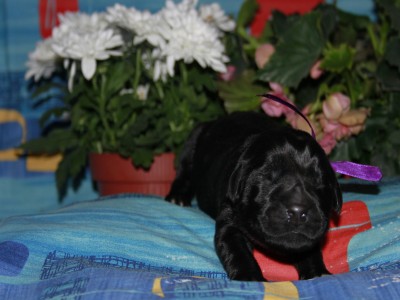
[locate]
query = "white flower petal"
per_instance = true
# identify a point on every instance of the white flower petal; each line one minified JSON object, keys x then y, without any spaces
{"x":72,"y":72}
{"x":88,"y":67}
{"x":170,"y":65}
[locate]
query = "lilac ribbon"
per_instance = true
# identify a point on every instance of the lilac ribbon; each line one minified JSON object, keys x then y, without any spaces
{"x":365,"y":172}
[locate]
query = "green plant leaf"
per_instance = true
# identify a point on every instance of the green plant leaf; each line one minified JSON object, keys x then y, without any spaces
{"x":241,"y":94}
{"x":142,"y":158}
{"x":295,"y":54}
{"x":71,"y":167}
{"x":281,"y":23}
{"x":394,"y":137}
{"x":56,"y":141}
{"x":246,"y":13}
{"x":338,"y":59}
{"x":392,"y":54}
{"x":53,"y":112}
{"x":329,"y":19}
{"x":388,"y":76}
{"x":47,"y":88}
{"x":117,"y":76}
{"x":392,"y":9}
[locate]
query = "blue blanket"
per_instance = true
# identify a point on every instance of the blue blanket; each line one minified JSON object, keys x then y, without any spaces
{"x":140,"y":247}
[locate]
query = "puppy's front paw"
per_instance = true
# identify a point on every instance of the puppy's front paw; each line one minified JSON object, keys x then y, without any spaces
{"x":309,"y":274}
{"x":178,"y":200}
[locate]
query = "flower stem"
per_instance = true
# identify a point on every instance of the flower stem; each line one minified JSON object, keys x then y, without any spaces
{"x":350,"y":89}
{"x":251,"y":40}
{"x":103,"y":113}
{"x":184,"y":72}
{"x":138,"y":70}
{"x":379,"y":43}
{"x":159,"y":88}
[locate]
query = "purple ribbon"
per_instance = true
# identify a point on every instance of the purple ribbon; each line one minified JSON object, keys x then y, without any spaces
{"x":365,"y":172}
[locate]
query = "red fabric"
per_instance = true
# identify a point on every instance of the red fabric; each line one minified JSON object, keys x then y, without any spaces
{"x":285,"y":6}
{"x":353,"y":219}
{"x":48,"y":11}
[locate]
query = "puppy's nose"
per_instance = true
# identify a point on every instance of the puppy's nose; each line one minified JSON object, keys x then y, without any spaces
{"x":297,"y":214}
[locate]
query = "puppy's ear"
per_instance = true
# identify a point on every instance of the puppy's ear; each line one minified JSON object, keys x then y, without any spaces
{"x":236,"y":181}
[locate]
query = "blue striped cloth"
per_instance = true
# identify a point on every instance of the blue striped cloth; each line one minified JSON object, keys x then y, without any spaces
{"x":141,"y":247}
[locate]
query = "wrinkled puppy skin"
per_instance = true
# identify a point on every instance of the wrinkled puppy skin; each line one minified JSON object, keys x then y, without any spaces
{"x":268,"y":186}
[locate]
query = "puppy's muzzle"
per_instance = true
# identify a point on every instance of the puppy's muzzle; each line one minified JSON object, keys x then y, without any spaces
{"x":297,"y":214}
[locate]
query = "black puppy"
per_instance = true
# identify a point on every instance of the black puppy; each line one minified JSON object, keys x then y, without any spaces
{"x":268,"y":186}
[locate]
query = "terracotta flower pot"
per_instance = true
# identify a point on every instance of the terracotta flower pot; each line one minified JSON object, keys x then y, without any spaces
{"x":115,"y":174}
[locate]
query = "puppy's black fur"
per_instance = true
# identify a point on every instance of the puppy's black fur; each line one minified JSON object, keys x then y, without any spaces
{"x":267,"y":186}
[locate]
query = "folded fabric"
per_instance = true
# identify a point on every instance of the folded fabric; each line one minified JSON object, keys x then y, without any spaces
{"x":141,"y":247}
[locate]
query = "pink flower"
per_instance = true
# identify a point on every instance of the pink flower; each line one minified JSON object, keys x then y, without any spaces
{"x":272,"y":108}
{"x":229,"y":74}
{"x":263,"y":54}
{"x":328,"y":142}
{"x":334,"y":128}
{"x":276,"y":88}
{"x":335,"y":106}
{"x":350,"y":123}
{"x":298,"y":122}
{"x":315,"y":71}
{"x":355,"y":120}
{"x":275,"y":109}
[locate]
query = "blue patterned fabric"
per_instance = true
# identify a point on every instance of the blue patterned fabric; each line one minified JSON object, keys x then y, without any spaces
{"x":140,"y":247}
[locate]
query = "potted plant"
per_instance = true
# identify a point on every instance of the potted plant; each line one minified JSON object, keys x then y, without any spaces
{"x":341,"y":69}
{"x":129,"y":82}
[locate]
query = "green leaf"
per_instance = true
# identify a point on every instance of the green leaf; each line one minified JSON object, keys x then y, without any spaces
{"x":338,"y":59}
{"x":389,"y":77}
{"x":47,"y":88}
{"x":117,"y":76}
{"x":246,"y":13}
{"x":241,"y":94}
{"x":142,"y":158}
{"x":296,"y":53}
{"x":281,"y":23}
{"x":392,"y":52}
{"x":329,"y":19}
{"x":56,"y":112}
{"x":394,"y":137}
{"x":392,"y":9}
{"x":56,"y":141}
{"x":72,"y":166}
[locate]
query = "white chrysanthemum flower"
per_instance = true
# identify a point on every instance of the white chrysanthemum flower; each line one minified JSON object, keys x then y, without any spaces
{"x":157,"y":65}
{"x":189,"y":38}
{"x":42,"y":61}
{"x":142,"y":24}
{"x":214,"y":15}
{"x":79,"y":21}
{"x":184,"y":6}
{"x":85,"y":41}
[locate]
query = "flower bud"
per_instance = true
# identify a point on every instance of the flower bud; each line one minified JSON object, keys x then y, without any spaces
{"x":315,"y":71}
{"x":263,"y":54}
{"x":336,"y":104}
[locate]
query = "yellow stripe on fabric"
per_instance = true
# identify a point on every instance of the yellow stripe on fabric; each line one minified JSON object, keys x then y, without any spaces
{"x":10,"y":115}
{"x":280,"y":290}
{"x":157,"y":289}
{"x":44,"y":163}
